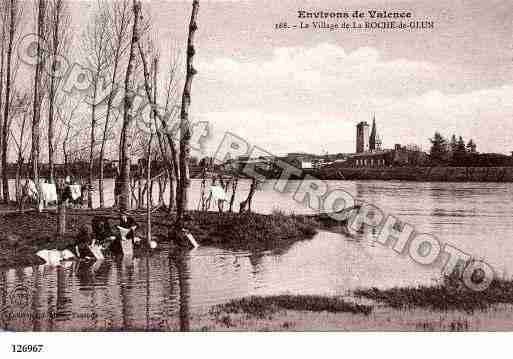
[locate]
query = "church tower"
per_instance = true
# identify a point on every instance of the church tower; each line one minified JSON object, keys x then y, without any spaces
{"x":374,"y":139}
{"x":362,"y":137}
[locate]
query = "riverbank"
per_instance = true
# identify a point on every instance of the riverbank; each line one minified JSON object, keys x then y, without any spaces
{"x":382,"y":318}
{"x":444,"y":307}
{"x":23,"y":234}
{"x":428,"y":174}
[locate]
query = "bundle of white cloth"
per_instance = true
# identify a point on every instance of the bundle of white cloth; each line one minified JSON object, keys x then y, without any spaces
{"x":75,"y":191}
{"x":48,"y":191}
{"x":123,"y":232}
{"x":217,"y":193}
{"x":54,"y":257}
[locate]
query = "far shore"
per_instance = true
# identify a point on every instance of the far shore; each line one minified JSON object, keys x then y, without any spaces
{"x":491,"y":174}
{"x":419,"y":174}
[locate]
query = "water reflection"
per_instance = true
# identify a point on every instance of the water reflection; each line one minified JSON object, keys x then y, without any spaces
{"x":181,"y":261}
{"x":63,"y":302}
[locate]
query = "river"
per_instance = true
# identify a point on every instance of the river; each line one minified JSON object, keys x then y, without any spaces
{"x":162,"y":291}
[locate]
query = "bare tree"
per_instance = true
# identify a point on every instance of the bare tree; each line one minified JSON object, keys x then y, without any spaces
{"x":95,"y":43}
{"x":66,"y":119}
{"x":71,"y":130}
{"x":119,"y":21}
{"x":19,"y":141}
{"x":169,"y":154}
{"x":148,"y":167}
{"x":185,"y":128}
{"x":15,"y":12}
{"x":36,"y":103}
{"x":124,"y":178}
{"x":4,"y":15}
{"x":58,"y":42}
{"x":171,"y":96}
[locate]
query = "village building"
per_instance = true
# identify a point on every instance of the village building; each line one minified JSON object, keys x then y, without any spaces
{"x":369,"y":152}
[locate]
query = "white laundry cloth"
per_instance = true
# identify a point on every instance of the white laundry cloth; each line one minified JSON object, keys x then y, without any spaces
{"x":217,"y":193}
{"x":54,"y":257}
{"x":31,"y":189}
{"x":67,"y":254}
{"x":127,"y":245}
{"x":76,"y":191}
{"x":97,"y":251}
{"x":49,"y":192}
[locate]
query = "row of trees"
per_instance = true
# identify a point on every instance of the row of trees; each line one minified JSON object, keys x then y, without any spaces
{"x":445,"y":151}
{"x":117,"y":46}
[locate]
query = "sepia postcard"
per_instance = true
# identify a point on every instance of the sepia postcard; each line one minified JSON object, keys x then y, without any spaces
{"x":255,"y":165}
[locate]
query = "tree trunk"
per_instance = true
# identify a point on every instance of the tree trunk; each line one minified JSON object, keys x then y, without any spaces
{"x":170,"y":168}
{"x":100,"y":179}
{"x":5,"y":126}
{"x":234,"y":191}
{"x":245,"y":206}
{"x":140,"y":199}
{"x":152,"y":184}
{"x":36,"y":112}
{"x":148,"y":192}
{"x":19,"y":165}
{"x":162,"y":188}
{"x":92,"y":144}
{"x":185,"y":130}
{"x":61,"y":216}
{"x":2,"y":68}
{"x":124,"y":181}
{"x":51,"y":95}
{"x":149,"y":182}
{"x":172,"y":192}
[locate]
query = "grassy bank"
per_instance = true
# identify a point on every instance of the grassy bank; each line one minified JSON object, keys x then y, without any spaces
{"x":381,"y":318}
{"x":449,"y":306}
{"x":280,"y":312}
{"x":450,"y":295}
{"x":36,"y":231}
{"x":32,"y":232}
{"x":250,"y":231}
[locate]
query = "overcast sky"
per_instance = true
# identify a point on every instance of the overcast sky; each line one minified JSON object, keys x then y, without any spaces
{"x":294,"y":90}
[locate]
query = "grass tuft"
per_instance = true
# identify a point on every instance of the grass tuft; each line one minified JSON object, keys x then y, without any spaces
{"x":451,"y":294}
{"x":262,"y":307}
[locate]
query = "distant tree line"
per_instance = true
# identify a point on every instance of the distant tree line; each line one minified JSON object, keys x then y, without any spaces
{"x":457,"y":152}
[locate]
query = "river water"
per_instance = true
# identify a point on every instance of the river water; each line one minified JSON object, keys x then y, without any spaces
{"x":162,"y":291}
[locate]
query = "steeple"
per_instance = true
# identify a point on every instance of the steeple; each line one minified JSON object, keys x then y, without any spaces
{"x":373,"y":135}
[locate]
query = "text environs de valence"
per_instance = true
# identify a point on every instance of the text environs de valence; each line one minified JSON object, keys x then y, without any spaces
{"x":373,"y":14}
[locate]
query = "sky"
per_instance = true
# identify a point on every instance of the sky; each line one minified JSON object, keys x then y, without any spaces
{"x":305,"y":90}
